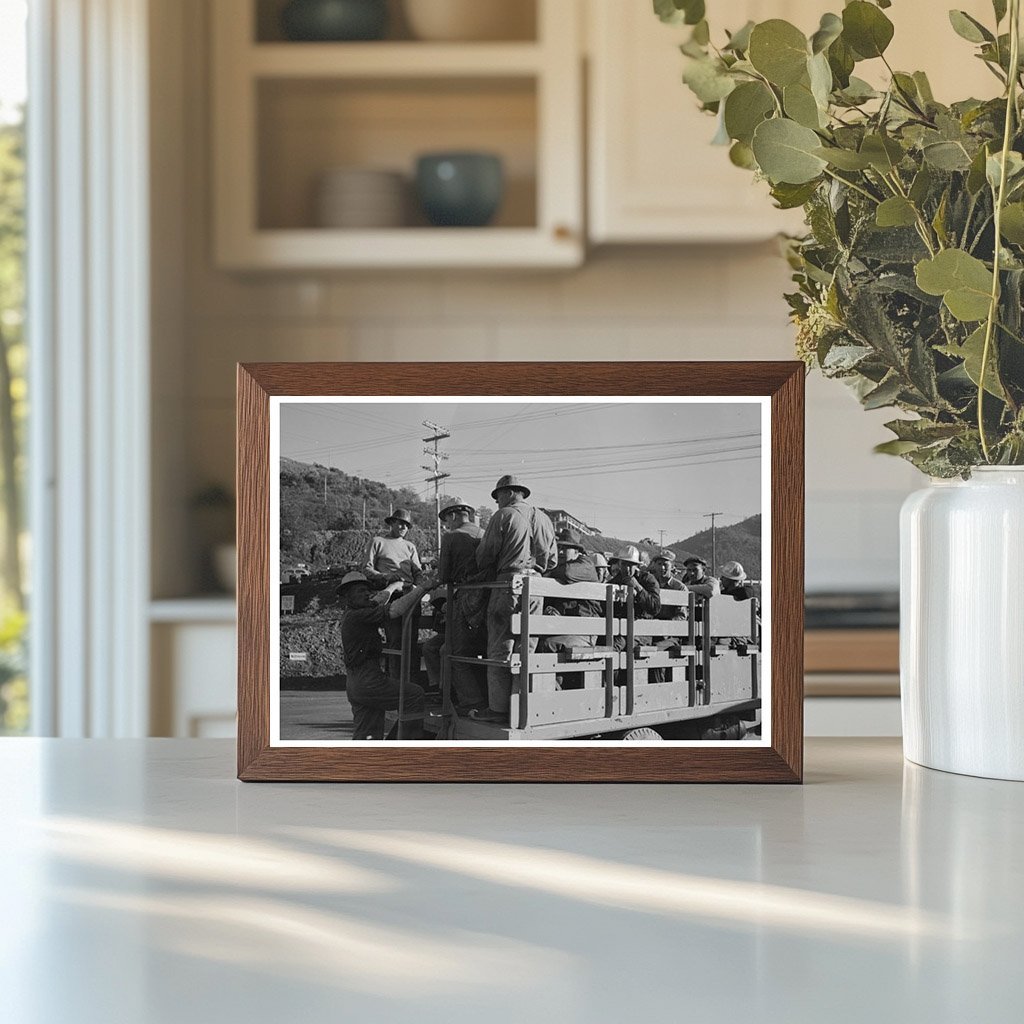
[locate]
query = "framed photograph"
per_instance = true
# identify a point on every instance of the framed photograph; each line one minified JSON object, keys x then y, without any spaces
{"x":517,"y":572}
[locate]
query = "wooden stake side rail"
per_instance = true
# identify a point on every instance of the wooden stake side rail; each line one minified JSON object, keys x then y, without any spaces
{"x":608,"y":687}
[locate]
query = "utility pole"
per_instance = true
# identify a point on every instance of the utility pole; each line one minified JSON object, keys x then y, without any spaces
{"x":435,"y":453}
{"x":325,"y":488}
{"x":714,"y":540}
{"x":661,"y":538}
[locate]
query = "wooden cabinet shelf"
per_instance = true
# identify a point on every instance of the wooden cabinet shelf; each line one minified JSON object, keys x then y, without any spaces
{"x":286,"y":114}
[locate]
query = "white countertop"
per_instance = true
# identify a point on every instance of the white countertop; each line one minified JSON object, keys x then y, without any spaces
{"x":142,"y":884}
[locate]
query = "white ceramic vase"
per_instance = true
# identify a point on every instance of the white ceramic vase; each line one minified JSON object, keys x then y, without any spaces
{"x":962,"y":624}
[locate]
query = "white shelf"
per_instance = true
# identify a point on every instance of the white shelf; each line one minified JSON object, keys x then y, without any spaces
{"x":393,"y":60}
{"x":211,"y":609}
{"x":309,"y":248}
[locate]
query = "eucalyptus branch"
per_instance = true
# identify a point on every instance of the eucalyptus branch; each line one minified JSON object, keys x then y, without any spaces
{"x":993,"y":308}
{"x":854,"y":186}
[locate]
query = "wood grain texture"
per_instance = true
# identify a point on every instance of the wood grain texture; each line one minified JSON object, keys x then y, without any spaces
{"x":782,"y":762}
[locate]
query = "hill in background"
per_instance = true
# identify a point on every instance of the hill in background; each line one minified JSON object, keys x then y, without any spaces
{"x":332,"y":525}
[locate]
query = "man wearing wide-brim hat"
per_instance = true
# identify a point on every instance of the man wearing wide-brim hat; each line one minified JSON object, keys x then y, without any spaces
{"x":519,"y":539}
{"x":369,"y":690}
{"x":466,"y":633}
{"x":697,"y":579}
{"x":394,"y":562}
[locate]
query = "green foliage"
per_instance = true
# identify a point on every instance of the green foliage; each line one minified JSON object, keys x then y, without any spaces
{"x":904,"y":291}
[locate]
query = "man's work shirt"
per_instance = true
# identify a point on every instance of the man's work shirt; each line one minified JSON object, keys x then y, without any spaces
{"x":393,"y":556}
{"x":362,"y":646}
{"x":706,"y":586}
{"x":670,"y":611}
{"x":519,"y":538}
{"x":580,"y":571}
{"x":457,"y":561}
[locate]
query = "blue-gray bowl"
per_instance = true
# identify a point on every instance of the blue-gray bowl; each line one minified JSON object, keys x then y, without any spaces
{"x":460,"y":189}
{"x":331,"y":21}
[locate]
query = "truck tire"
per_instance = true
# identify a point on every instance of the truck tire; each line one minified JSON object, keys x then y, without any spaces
{"x":643,"y":733}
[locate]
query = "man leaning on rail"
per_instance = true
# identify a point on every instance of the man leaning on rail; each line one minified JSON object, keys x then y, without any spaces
{"x":519,"y":540}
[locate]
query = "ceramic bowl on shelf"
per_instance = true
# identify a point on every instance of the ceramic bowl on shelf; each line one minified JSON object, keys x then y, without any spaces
{"x":470,"y":20}
{"x":361,"y":198}
{"x":334,"y":21}
{"x":460,"y":189}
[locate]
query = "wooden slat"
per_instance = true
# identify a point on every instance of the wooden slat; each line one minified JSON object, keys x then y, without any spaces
{"x":852,"y":650}
{"x":559,"y":625}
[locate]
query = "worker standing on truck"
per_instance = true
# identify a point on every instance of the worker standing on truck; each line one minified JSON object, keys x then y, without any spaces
{"x":572,"y":568}
{"x":466,"y":626}
{"x":519,"y":540}
{"x":394,"y":559}
{"x":370,"y":691}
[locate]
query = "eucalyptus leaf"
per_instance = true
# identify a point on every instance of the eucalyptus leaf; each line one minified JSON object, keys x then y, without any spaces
{"x":946,"y":156}
{"x":829,"y":30}
{"x":739,"y":41}
{"x":895,"y":212}
{"x":924,"y":88}
{"x":972,"y":352}
{"x":866,"y":29}
{"x":895,"y":447}
{"x":841,"y":60}
{"x":969,"y":28}
{"x":883,"y":153}
{"x":708,"y":81}
{"x":844,"y":159}
{"x":963,"y":281}
{"x":676,"y":12}
{"x":820,"y":76}
{"x":745,"y":108}
{"x":779,"y":51}
{"x":785,"y":151}
{"x":999,"y":8}
{"x":741,"y":155}
{"x":800,"y":105}
{"x":1011,"y":225}
{"x":788,"y":196}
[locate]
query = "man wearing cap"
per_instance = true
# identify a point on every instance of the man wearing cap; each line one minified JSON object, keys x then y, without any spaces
{"x":572,"y":568}
{"x":734,"y":582}
{"x":697,"y":579}
{"x":370,"y":691}
{"x":394,"y":559}
{"x":519,"y":540}
{"x":662,"y":565}
{"x":466,"y":629}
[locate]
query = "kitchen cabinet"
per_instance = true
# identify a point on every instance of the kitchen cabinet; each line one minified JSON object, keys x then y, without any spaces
{"x":287,"y":113}
{"x":653,"y":175}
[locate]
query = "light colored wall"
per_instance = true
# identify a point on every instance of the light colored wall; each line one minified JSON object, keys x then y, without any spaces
{"x":720,"y":302}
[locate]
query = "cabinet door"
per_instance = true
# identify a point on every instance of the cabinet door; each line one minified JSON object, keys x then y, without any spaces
{"x":653,"y":174}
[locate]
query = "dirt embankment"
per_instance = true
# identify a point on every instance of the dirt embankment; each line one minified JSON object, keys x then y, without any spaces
{"x":311,"y":647}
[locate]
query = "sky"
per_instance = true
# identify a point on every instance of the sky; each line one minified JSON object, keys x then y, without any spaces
{"x":632,"y":470}
{"x":12,"y":56}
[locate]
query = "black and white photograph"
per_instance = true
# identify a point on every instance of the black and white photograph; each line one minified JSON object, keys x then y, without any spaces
{"x":500,"y":571}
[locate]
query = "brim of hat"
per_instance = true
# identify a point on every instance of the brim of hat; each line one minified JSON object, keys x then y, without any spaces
{"x":455,"y":508}
{"x":518,"y":487}
{"x":398,"y":519}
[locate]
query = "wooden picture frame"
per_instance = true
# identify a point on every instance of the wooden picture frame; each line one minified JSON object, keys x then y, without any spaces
{"x":778,"y":759}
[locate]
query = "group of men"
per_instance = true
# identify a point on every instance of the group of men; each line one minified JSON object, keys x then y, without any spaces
{"x":519,"y":539}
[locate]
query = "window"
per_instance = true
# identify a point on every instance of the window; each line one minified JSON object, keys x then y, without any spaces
{"x":14,"y":549}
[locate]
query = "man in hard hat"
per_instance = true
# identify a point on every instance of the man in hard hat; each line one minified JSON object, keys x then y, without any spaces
{"x":572,"y":567}
{"x":370,"y":691}
{"x":519,"y":540}
{"x":600,"y":566}
{"x":697,"y":579}
{"x":628,"y":572}
{"x":466,"y":628}
{"x":734,"y":582}
{"x":394,"y":559}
